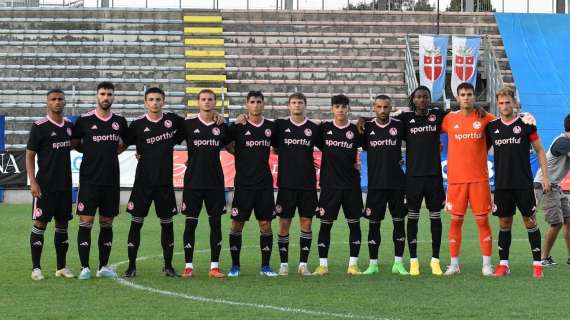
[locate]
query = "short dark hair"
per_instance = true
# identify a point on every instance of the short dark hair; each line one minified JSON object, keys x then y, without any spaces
{"x":340,"y":99}
{"x":297,"y":95}
{"x":106,"y":85}
{"x":154,"y":90}
{"x":465,"y":86}
{"x":567,"y":123}
{"x":413,"y":94}
{"x":382,"y":97}
{"x":208,"y":91}
{"x":56,"y":90}
{"x":256,"y":94}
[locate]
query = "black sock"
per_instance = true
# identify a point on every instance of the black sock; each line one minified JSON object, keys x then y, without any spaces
{"x":373,"y":239}
{"x":189,"y":238}
{"x":215,"y":238}
{"x":61,"y":243}
{"x":84,"y":243}
{"x":36,"y":245}
{"x":436,"y":230}
{"x":504,"y":243}
{"x":534,"y":240}
{"x":305,"y":240}
{"x":399,"y":236}
{"x":283,"y":244}
{"x":167,"y":240}
{"x":266,"y":246}
{"x":412,"y":228}
{"x":105,"y":243}
{"x":235,"y":247}
{"x":324,"y":240}
{"x":354,"y":236}
{"x":134,"y":240}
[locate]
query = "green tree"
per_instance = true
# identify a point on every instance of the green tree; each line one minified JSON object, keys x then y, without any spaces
{"x":423,"y":5}
{"x":479,"y":5}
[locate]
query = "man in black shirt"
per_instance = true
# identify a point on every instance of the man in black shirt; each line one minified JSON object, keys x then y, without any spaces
{"x":155,"y":134}
{"x":295,"y":139}
{"x":51,"y":187}
{"x":340,"y":183}
{"x":99,"y":134}
{"x":204,"y":180}
{"x":511,"y":139}
{"x":423,"y":173}
{"x":386,"y":181}
{"x":253,"y":184}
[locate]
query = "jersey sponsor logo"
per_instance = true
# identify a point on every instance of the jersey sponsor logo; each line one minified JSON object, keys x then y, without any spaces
{"x":340,"y":144}
{"x":106,"y":137}
{"x":197,"y":131}
{"x":115,"y":126}
{"x":268,"y":133}
{"x":257,"y":143}
{"x":53,"y":134}
{"x":287,"y":130}
{"x":247,"y":133}
{"x":216,"y":131}
{"x":496,"y":131}
{"x":517,"y":130}
{"x":146,"y":129}
{"x":235,"y":212}
{"x":427,"y":128}
{"x":349,"y":135}
{"x":130,"y":205}
{"x":432,"y":117}
{"x":308,"y":132}
{"x":94,"y":127}
{"x":300,"y":142}
{"x":372,"y":133}
{"x":511,"y":140}
{"x":467,"y":136}
{"x":278,"y":208}
{"x":164,"y":136}
{"x":393,"y":131}
{"x":80,"y":206}
{"x":476,"y":125}
{"x":210,"y":142}
{"x":329,"y":132}
{"x":69,"y":132}
{"x":456,"y":126}
{"x":167,"y":123}
{"x":385,"y":142}
{"x":62,"y":144}
{"x":413,"y":121}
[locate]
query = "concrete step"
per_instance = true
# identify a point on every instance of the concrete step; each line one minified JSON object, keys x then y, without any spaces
{"x":93,"y":49}
{"x":101,"y":13}
{"x":316,"y":76}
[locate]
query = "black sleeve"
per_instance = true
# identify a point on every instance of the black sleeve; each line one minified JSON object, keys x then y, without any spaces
{"x":180,"y":132}
{"x":225,"y":134}
{"x":488,"y":136}
{"x":364,"y":138}
{"x":34,"y":140}
{"x":124,"y":130}
{"x":131,"y":134}
{"x":275,"y":137}
{"x":232,"y":132}
{"x":319,"y":139}
{"x":77,"y":131}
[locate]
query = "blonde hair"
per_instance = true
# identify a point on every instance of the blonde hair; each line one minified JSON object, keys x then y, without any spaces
{"x":506,"y":92}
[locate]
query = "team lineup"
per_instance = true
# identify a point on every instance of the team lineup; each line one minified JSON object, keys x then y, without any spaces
{"x":400,"y":189}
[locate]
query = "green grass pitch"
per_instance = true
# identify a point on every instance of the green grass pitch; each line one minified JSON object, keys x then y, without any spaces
{"x":336,"y":296}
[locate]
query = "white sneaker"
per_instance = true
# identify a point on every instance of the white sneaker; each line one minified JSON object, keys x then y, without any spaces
{"x":37,"y":274}
{"x":85,"y":274}
{"x":452,"y":269}
{"x":65,"y":272}
{"x":284,"y":270}
{"x":106,"y":272}
{"x":487,"y":270}
{"x":304,"y":270}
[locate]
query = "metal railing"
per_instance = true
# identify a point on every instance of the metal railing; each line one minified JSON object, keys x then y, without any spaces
{"x":494,"y":77}
{"x":410,"y":72}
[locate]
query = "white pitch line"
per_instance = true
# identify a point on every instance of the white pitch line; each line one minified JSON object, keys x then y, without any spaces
{"x":133,"y":285}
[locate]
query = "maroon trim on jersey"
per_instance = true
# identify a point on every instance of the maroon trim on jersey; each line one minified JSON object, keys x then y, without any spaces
{"x":533,"y":136}
{"x":101,"y":118}
{"x":341,"y":127}
{"x":298,"y":124}
{"x":55,"y":123}
{"x":509,"y":122}
{"x":383,"y":125}
{"x":155,"y":121}
{"x":257,"y":125}
{"x":204,"y":122}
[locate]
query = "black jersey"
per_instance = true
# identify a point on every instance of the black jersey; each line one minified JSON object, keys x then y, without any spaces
{"x":422,"y":142}
{"x":511,"y":146}
{"x":384,"y":146}
{"x":100,"y":139}
{"x":204,"y":141}
{"x":296,"y":143}
{"x":339,"y":156}
{"x":155,"y":141}
{"x":51,"y":142}
{"x":252,"y":148}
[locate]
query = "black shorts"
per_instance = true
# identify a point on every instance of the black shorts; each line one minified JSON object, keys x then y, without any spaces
{"x":104,"y":198}
{"x":377,"y":201}
{"x":505,"y":202}
{"x":305,"y":201}
{"x":55,"y":205}
{"x":331,"y":200}
{"x":142,"y":197}
{"x":247,"y":200}
{"x":192,"y":199}
{"x":429,"y":188}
